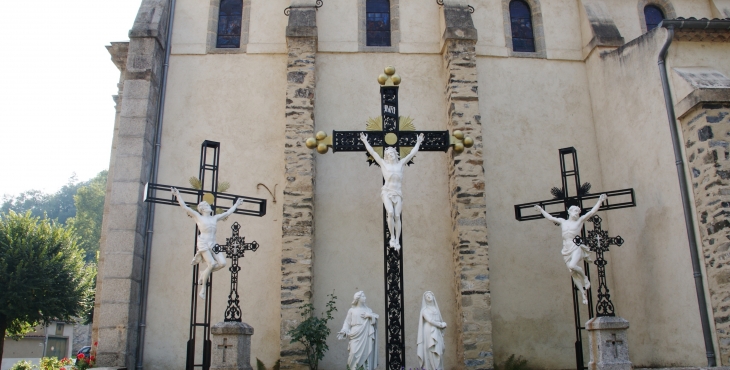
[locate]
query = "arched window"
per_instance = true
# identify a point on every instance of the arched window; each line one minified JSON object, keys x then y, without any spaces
{"x":377,"y":22}
{"x":523,"y":37}
{"x":230,"y":16}
{"x":653,"y":15}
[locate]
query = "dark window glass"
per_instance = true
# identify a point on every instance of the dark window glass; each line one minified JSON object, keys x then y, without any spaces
{"x":523,"y":38}
{"x":653,"y":16}
{"x":229,"y":24}
{"x":377,"y":23}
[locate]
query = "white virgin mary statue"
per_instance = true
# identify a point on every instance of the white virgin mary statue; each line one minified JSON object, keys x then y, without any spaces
{"x":361,"y":328}
{"x":430,"y":334}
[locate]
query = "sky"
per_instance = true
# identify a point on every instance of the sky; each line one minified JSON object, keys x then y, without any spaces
{"x":56,"y":87}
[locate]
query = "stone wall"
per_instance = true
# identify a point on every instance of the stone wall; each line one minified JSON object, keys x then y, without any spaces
{"x":116,"y":320}
{"x":706,"y":130}
{"x":466,"y":184}
{"x":298,"y":212}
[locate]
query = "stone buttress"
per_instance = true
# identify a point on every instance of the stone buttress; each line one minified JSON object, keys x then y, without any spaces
{"x":298,"y":217}
{"x":466,"y":186}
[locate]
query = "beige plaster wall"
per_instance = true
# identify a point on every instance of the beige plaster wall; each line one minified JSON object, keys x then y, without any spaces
{"x":223,"y":98}
{"x":268,"y":26}
{"x":626,"y":14}
{"x":526,"y":125}
{"x":696,"y":54}
{"x":654,"y":288}
{"x":348,"y":222}
{"x":337,"y":26}
{"x":190,"y":28}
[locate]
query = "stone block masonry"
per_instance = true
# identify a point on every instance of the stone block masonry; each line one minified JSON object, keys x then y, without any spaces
{"x":466,"y":186}
{"x":117,"y":305}
{"x":706,"y":129}
{"x":298,"y":217}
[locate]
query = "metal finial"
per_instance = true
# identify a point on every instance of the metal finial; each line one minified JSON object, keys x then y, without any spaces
{"x":389,"y":77}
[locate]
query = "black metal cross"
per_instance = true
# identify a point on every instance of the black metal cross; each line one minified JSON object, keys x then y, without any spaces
{"x":208,"y":190}
{"x":234,"y":249}
{"x":623,"y":198}
{"x":599,"y":241}
{"x":391,"y":130}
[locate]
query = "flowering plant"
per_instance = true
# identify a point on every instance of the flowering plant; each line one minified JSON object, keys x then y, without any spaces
{"x":53,"y":363}
{"x":84,"y":362}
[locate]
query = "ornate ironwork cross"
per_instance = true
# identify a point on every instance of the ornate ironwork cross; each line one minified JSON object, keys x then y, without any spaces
{"x":208,"y":190}
{"x":234,"y":249}
{"x":623,"y":198}
{"x":599,"y":241}
{"x":391,"y":130}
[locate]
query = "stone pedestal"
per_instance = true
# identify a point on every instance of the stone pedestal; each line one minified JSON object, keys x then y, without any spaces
{"x":609,"y":344}
{"x":231,"y":346}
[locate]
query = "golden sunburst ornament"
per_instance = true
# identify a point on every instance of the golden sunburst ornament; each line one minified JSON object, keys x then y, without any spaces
{"x":376,"y":124}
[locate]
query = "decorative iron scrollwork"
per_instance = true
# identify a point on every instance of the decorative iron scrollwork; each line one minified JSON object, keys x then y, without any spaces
{"x":317,"y":5}
{"x":395,"y":321}
{"x":234,"y":249}
{"x":598,"y":241}
{"x":441,"y":3}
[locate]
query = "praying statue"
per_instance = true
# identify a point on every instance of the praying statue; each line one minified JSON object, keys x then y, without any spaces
{"x":572,"y":253}
{"x":430,"y":334}
{"x":361,"y":328}
{"x":391,"y":193}
{"x":206,"y":222}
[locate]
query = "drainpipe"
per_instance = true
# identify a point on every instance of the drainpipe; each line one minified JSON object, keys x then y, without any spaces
{"x":149,"y":223}
{"x":686,"y":205}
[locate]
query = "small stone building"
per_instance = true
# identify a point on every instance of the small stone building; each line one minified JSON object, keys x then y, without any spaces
{"x":523,"y":78}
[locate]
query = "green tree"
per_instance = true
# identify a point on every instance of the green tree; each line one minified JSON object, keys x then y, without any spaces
{"x":89,"y":202}
{"x":43,"y":276}
{"x":58,"y":206}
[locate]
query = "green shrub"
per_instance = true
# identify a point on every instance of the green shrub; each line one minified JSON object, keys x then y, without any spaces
{"x":23,"y":365}
{"x":313,"y":332}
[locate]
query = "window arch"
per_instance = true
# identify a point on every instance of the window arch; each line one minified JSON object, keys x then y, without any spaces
{"x":377,"y":23}
{"x":653,"y":15}
{"x":652,"y":12}
{"x":230,"y":18}
{"x":523,"y":35}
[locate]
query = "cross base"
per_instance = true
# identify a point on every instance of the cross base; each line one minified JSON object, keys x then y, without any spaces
{"x":609,"y":345}
{"x":231,"y":346}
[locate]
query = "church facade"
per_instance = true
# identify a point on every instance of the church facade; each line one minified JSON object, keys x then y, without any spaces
{"x":522,"y":78}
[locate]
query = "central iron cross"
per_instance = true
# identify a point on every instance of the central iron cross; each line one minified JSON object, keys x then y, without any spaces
{"x":598,"y":241}
{"x":234,"y":249}
{"x":391,"y":130}
{"x":207,"y":190}
{"x":623,"y":198}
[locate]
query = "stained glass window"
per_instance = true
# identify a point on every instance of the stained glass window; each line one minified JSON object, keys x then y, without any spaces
{"x":377,"y":22}
{"x":229,"y":24}
{"x":523,"y":38}
{"x":653,"y":16}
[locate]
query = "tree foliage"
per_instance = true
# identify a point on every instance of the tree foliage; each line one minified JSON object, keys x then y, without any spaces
{"x":58,"y":206}
{"x":313,"y":331}
{"x":43,"y":276}
{"x":89,"y":204}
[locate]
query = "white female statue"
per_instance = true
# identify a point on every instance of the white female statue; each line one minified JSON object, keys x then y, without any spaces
{"x":573,"y":254}
{"x":430,"y":334}
{"x":391,"y":192}
{"x":361,"y":328}
{"x":206,"y":221}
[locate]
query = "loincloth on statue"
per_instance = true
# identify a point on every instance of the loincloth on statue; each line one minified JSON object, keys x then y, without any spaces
{"x":569,"y":247}
{"x":202,"y":248}
{"x":392,"y":195}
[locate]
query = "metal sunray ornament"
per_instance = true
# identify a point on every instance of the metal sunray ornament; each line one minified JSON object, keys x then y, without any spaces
{"x":209,"y":197}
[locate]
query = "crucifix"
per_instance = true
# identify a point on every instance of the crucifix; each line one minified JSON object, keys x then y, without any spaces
{"x":206,"y":189}
{"x":234,"y":249}
{"x":598,"y":241}
{"x":616,"y":199}
{"x":391,"y":136}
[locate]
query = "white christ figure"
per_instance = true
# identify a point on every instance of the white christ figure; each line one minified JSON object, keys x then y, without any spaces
{"x":206,"y":222}
{"x":572,"y":253}
{"x":430,"y":334}
{"x":391,"y":193}
{"x":361,"y":328}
